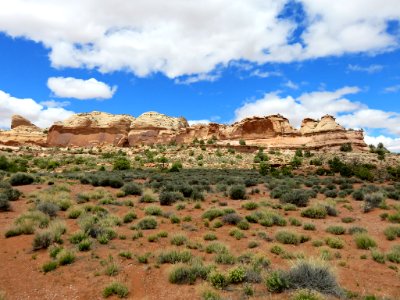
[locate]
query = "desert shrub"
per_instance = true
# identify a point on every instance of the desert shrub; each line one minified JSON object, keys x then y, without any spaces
{"x":218,"y":280}
{"x":346,"y":147}
{"x":42,"y":240}
{"x":297,"y":197}
{"x":153,"y":211}
{"x":336,"y":230}
{"x":237,"y":192}
{"x":148,"y":196}
{"x":179,"y":240}
{"x":121,"y":163}
{"x":173,"y":257}
{"x":85,"y":245}
{"x":237,"y":274}
{"x":168,"y":197}
{"x":132,"y":188}
{"x":392,"y":232}
{"x":116,"y":288}
{"x":65,"y":257}
{"x":357,"y":229}
{"x":231,"y":218}
{"x":225,"y":258}
{"x":394,"y":218}
{"x":216,"y":247}
{"x":394,"y":254}
{"x":210,"y":295}
{"x":358,"y":195}
{"x":378,"y":256}
{"x":313,"y":275}
{"x":331,"y":193}
{"x":294,"y":221}
{"x":277,"y":282}
{"x":211,"y":214}
{"x":306,"y":294}
{"x":364,"y":241}
{"x":334,"y":242}
{"x":129,"y":217}
{"x":287,"y":237}
{"x":309,"y":226}
{"x":21,"y":179}
{"x":48,"y":208}
{"x":372,"y":201}
{"x":237,"y":234}
{"x":314,"y":212}
{"x":147,"y":223}
{"x":210,"y":237}
{"x":4,"y":203}
{"x":348,"y":219}
{"x":49,"y":266}
{"x":243,"y":224}
{"x":250,"y":205}
{"x":112,"y":269}
{"x":77,"y":237}
{"x":184,"y":274}
{"x":125,"y":254}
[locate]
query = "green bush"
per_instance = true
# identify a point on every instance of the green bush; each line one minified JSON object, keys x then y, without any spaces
{"x":287,"y":237}
{"x":173,"y":257}
{"x":65,"y":257}
{"x":315,"y":212}
{"x":334,"y":242}
{"x":237,"y":275}
{"x":117,"y":289}
{"x":182,"y":274}
{"x":42,"y":240}
{"x":4,"y":203}
{"x":392,"y":232}
{"x":21,"y":179}
{"x":338,"y":230}
{"x":306,"y":294}
{"x":297,"y":197}
{"x":211,"y":214}
{"x":168,"y":198}
{"x":49,"y":266}
{"x":48,"y":208}
{"x":394,"y":254}
{"x":121,"y":163}
{"x":309,"y":226}
{"x":132,"y":188}
{"x":147,"y":223}
{"x":179,"y":240}
{"x":364,"y":241}
{"x":277,"y":282}
{"x":218,"y":280}
{"x":237,"y":192}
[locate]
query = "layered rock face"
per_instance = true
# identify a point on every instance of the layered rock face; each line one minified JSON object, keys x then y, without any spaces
{"x":154,"y":128}
{"x":91,"y":129}
{"x":103,"y":129}
{"x":22,"y":133}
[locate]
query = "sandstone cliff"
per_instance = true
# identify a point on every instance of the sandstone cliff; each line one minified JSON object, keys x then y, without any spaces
{"x":91,"y":129}
{"x":101,"y":129}
{"x":22,"y":133}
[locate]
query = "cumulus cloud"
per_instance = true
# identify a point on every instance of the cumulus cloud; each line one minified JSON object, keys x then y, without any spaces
{"x":368,"y":69}
{"x":180,"y":38}
{"x":39,"y":114}
{"x":349,"y":113}
{"x":69,"y":87}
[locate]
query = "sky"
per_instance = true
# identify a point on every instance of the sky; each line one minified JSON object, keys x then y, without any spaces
{"x":209,"y":61}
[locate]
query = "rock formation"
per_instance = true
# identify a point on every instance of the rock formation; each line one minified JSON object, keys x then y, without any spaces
{"x":91,"y":129}
{"x":103,"y":129}
{"x":22,"y":133}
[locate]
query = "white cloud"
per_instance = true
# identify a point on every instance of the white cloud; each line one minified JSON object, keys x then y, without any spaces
{"x":69,"y":87}
{"x":291,"y":85}
{"x":197,"y":77}
{"x":38,"y":114}
{"x":349,"y":113}
{"x":368,"y":69}
{"x":179,"y":38}
{"x":54,"y":104}
{"x":392,"y":89}
{"x":393,"y":144}
{"x":312,"y":105}
{"x":195,"y":122}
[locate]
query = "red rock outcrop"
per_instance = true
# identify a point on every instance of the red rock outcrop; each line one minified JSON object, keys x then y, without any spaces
{"x":103,"y":129}
{"x":22,"y":133}
{"x":91,"y":129}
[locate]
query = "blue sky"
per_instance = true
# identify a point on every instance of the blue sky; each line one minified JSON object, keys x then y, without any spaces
{"x":221,"y":61}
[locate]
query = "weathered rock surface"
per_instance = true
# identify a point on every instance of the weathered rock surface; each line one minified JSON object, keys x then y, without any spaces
{"x":22,"y":133}
{"x":91,"y":129}
{"x":103,"y":129}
